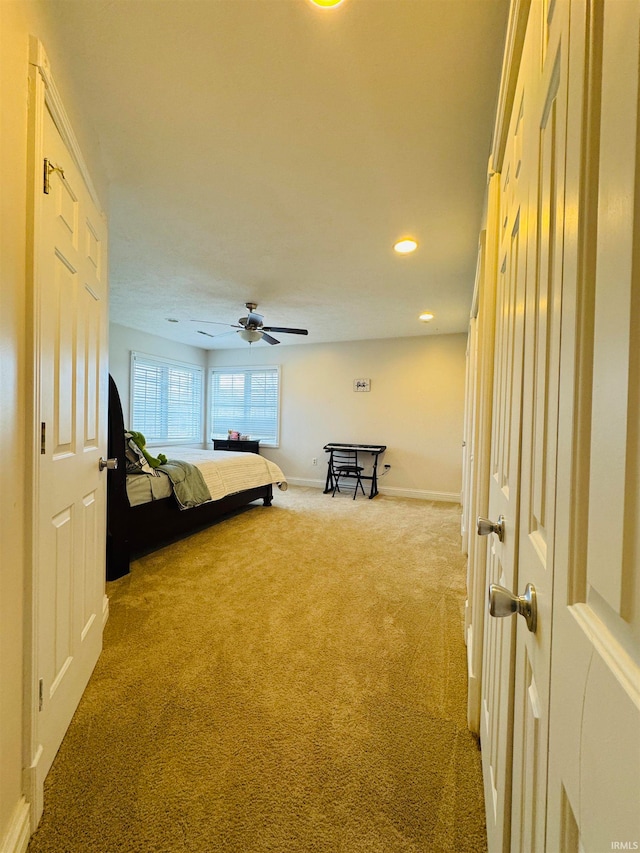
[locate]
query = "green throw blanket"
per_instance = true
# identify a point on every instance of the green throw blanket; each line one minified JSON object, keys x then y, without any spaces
{"x":189,"y":486}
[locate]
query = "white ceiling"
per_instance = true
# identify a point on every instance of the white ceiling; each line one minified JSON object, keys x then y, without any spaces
{"x":270,"y":151}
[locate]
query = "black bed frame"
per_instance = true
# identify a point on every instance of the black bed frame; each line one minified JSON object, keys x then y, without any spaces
{"x":139,"y":529}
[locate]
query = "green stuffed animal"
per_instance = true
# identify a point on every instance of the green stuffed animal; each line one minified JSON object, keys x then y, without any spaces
{"x":141,"y":441}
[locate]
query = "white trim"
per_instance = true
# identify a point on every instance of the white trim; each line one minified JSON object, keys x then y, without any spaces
{"x":474,"y":684}
{"x":302,"y":481}
{"x":39,"y":59}
{"x":421,"y":495}
{"x":516,"y":28}
{"x":161,"y":359}
{"x":33,"y":788}
{"x":17,"y":838}
{"x":417,"y":494}
{"x":33,"y":785}
{"x":479,"y":274}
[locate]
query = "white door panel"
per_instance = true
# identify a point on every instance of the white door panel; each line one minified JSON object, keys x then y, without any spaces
{"x":594,"y":760}
{"x":529,"y":295}
{"x":496,"y":716}
{"x":560,"y":717}
{"x":71,"y":299}
{"x":476,"y":604}
{"x":543,"y":307}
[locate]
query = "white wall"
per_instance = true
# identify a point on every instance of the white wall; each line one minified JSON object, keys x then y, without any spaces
{"x":13,"y":56}
{"x":18,"y":20}
{"x":123,"y":341}
{"x":415,"y":407}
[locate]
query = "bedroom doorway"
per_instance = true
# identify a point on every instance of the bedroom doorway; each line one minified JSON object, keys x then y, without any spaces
{"x":69,"y":304}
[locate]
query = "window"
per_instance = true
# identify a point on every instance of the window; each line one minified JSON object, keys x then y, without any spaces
{"x":166,"y":399}
{"x":246,"y":399}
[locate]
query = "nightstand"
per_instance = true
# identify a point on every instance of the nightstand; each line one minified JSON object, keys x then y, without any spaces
{"x":246,"y":446}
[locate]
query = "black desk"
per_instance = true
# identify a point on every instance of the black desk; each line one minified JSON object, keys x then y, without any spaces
{"x":374,"y":449}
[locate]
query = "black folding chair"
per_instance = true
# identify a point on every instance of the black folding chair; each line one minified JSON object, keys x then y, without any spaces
{"x":344,"y":467}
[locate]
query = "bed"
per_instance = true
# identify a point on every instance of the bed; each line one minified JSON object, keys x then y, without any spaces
{"x":146,"y":515}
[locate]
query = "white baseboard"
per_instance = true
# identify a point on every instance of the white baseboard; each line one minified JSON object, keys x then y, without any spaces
{"x":33,"y":786}
{"x":473,"y":688}
{"x":474,"y":700}
{"x":418,"y":494}
{"x":301,"y":481}
{"x":18,"y":833}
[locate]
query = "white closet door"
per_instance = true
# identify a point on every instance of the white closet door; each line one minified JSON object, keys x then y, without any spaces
{"x":594,"y":759}
{"x":548,"y":76}
{"x":70,"y":529}
{"x":496,"y":715}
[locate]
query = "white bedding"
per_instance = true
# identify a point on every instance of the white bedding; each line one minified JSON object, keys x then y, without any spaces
{"x":225,"y":473}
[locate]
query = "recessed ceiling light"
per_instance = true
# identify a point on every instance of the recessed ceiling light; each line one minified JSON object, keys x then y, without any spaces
{"x":326,"y":3}
{"x":405,"y":246}
{"x":426,"y":317}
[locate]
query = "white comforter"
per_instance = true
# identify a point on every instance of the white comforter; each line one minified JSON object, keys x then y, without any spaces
{"x":226,"y":472}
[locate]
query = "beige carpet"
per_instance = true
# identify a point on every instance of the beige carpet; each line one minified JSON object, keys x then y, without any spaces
{"x":291,"y":680}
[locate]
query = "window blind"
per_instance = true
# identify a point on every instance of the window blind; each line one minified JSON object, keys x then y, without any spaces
{"x":246,"y":400}
{"x":166,"y":399}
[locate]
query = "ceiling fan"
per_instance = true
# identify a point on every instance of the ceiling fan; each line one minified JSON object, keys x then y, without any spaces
{"x":250,"y":328}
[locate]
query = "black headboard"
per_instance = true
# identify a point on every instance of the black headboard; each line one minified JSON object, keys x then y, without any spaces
{"x":117,"y":501}
{"x":116,"y":442}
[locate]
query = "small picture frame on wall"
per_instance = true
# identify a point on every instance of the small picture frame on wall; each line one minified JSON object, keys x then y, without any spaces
{"x":362,"y":385}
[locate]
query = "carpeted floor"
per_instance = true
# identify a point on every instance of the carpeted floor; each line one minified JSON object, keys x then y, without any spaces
{"x":290,"y":680}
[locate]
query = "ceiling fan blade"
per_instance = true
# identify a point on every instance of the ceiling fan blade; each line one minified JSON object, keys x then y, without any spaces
{"x":268,"y":338}
{"x":283,"y":330}
{"x":221,"y":335}
{"x":216,"y":323}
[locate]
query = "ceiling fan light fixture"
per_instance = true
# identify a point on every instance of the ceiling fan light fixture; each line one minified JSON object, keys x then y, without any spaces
{"x":250,"y":335}
{"x":405,"y":246}
{"x":426,"y":317}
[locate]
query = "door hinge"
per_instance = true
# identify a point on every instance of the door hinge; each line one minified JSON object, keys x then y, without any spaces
{"x":40,"y":694}
{"x":48,"y":168}
{"x":43,"y":438}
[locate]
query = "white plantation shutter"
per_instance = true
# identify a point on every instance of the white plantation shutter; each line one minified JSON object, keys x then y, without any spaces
{"x":246,"y":400}
{"x":166,"y":399}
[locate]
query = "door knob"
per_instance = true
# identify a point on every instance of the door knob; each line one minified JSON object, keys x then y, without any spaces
{"x":485,"y":527}
{"x":502,"y":602}
{"x":110,"y":464}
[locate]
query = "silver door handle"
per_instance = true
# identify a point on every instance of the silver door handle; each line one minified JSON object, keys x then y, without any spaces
{"x":110,"y":464}
{"x":485,"y":527}
{"x":502,"y":602}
